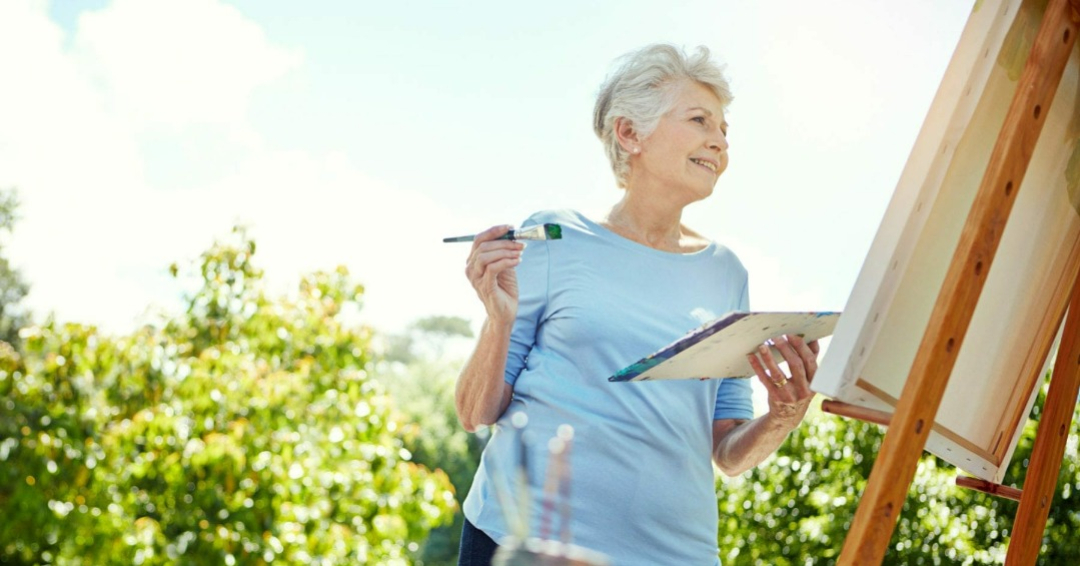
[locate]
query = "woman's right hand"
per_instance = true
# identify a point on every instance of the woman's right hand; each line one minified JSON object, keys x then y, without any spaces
{"x":490,"y":269}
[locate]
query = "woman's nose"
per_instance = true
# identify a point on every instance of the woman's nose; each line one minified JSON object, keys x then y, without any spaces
{"x":718,"y":141}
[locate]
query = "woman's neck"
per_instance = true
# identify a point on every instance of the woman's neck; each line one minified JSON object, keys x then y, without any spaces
{"x":647,"y":223}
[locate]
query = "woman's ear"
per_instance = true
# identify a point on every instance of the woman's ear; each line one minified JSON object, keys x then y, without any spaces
{"x":627,"y":135}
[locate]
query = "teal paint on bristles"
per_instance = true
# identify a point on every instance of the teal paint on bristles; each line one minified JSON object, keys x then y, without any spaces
{"x":536,"y":232}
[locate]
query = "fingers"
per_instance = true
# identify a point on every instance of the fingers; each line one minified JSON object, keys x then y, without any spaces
{"x":808,"y":352}
{"x":768,"y":373}
{"x":481,"y":241}
{"x":797,"y":381}
{"x":801,"y":358}
{"x":495,"y":268}
{"x":489,"y":255}
{"x":491,"y":234}
{"x":486,"y":275}
{"x":494,"y":260}
{"x":490,"y":270}
{"x":770,"y":383}
{"x":794,"y":361}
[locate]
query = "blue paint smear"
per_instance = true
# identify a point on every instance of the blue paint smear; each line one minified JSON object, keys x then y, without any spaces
{"x":645,"y":364}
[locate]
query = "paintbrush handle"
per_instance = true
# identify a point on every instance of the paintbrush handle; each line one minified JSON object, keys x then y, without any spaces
{"x":507,"y":236}
{"x":535,"y":232}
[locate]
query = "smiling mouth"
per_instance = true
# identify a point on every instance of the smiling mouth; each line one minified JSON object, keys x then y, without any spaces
{"x":706,"y":164}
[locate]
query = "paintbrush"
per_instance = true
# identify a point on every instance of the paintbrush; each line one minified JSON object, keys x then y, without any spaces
{"x":551,"y":487}
{"x":507,"y":500}
{"x":557,"y":484}
{"x":566,"y":434}
{"x":537,"y":232}
{"x":519,"y":420}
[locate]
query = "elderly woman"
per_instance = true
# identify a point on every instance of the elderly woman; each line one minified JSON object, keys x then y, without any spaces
{"x":564,"y":315}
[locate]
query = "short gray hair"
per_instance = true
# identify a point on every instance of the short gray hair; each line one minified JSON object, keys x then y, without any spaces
{"x":642,"y":90}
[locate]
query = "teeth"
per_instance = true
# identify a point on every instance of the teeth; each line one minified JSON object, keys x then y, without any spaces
{"x":705,"y":163}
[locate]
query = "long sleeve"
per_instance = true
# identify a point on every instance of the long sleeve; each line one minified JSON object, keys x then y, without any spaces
{"x":734,"y":398}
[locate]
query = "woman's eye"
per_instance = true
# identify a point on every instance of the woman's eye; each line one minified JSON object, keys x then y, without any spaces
{"x":699,"y":119}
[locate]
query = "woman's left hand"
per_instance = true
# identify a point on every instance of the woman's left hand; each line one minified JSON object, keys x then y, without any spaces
{"x":789,"y":396}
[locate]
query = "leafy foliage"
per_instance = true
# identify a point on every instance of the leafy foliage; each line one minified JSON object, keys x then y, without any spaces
{"x":420,"y":372}
{"x":796,"y":507}
{"x":1059,"y":539}
{"x":252,"y":429}
{"x":12,"y":286}
{"x":247,"y":430}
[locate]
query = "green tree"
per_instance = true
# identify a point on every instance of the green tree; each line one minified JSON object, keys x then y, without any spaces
{"x":797,"y":507}
{"x":420,"y":371}
{"x":12,"y":285}
{"x":1059,"y":539}
{"x":247,"y":430}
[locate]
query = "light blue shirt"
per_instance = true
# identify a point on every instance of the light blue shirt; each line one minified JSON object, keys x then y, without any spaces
{"x":642,"y":488}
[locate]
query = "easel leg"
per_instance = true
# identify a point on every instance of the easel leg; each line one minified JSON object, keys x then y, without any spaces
{"x":1042,"y":476}
{"x":894,"y":468}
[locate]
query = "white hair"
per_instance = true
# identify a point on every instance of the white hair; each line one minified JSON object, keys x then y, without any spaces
{"x":642,"y":89}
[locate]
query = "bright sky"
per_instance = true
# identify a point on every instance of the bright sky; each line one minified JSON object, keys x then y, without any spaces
{"x":360,"y":133}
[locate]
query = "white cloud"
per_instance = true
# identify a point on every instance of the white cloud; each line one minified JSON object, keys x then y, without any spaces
{"x":131,"y":145}
{"x":72,"y":163}
{"x":173,"y":63}
{"x":96,"y":237}
{"x":315,"y":212}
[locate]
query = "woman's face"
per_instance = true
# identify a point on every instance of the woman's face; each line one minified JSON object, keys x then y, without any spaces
{"x":688,"y":150}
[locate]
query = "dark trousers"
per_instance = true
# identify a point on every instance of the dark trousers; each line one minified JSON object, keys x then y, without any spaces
{"x":477,"y":548}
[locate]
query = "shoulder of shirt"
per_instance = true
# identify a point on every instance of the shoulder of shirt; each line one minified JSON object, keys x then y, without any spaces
{"x":725,"y":254}
{"x":565,"y":217}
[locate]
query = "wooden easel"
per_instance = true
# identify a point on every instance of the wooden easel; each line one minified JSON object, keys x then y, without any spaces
{"x":910,"y":425}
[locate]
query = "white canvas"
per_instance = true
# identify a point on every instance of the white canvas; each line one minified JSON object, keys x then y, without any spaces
{"x":998,"y":369}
